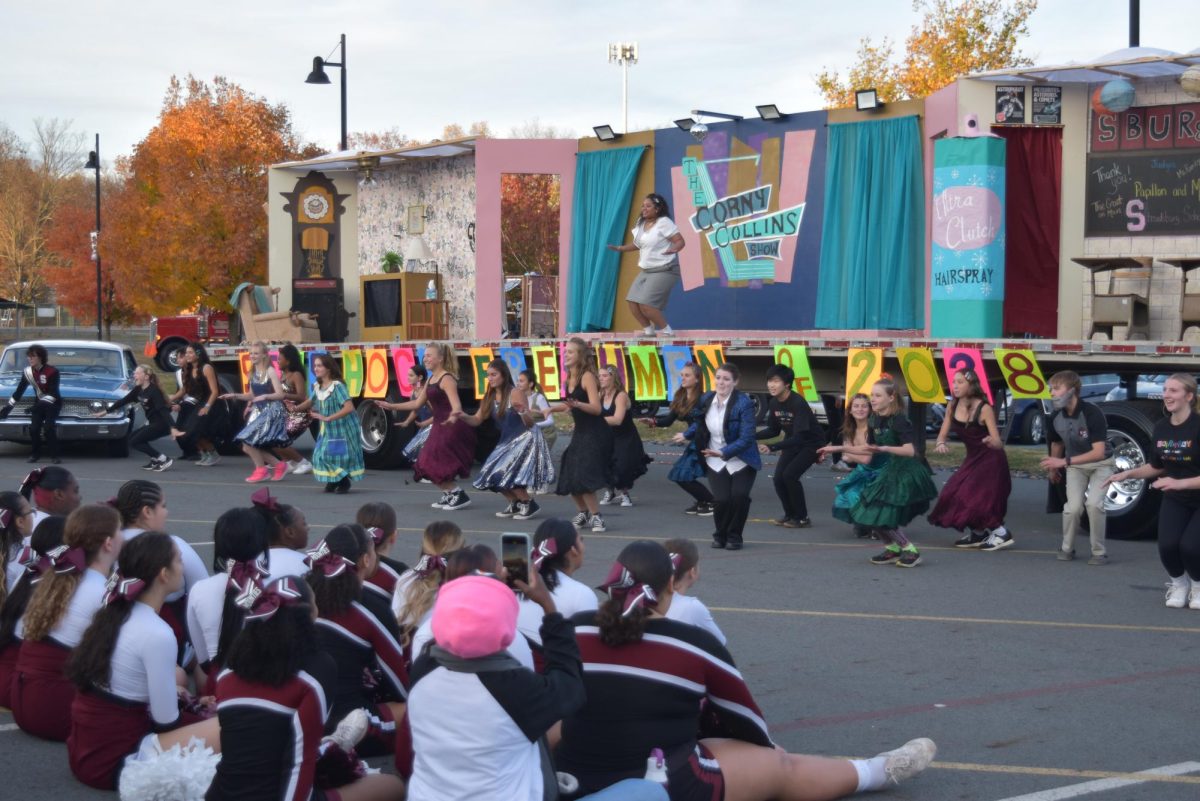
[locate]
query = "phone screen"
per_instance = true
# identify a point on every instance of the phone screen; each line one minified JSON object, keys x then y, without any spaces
{"x":514,"y":553}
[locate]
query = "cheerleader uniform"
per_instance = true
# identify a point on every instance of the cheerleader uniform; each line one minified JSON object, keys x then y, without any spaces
{"x":449,"y":449}
{"x":629,"y":457}
{"x":109,"y":724}
{"x":384,"y":582}
{"x":266,"y":428}
{"x":361,"y":646}
{"x":585,"y":463}
{"x":690,"y":610}
{"x":521,"y":457}
{"x":270,"y":735}
{"x":657,"y":693}
{"x":41,"y":694}
{"x":285,"y":562}
{"x":571,"y":597}
{"x":205,"y":610}
{"x":174,"y":608}
{"x":338,"y":453}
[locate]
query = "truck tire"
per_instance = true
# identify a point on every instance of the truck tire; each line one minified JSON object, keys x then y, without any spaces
{"x":1131,"y":505}
{"x":228,"y":446}
{"x":382,"y":442}
{"x":169,"y":353}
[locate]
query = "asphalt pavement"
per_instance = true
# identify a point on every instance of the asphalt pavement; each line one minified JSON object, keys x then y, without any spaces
{"x":1038,"y":679}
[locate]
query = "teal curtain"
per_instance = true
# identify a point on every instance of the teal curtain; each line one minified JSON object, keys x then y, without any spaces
{"x":873,"y":239}
{"x":603,"y":189}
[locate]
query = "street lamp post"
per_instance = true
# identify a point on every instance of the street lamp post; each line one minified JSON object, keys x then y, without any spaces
{"x":318,"y":76}
{"x":624,"y":54}
{"x":93,"y":163}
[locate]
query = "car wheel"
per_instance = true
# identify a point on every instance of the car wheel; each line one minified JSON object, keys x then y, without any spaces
{"x":1033,"y":427}
{"x":1131,"y":507}
{"x":169,"y":354}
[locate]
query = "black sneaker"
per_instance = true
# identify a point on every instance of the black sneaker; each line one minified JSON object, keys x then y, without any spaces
{"x":910,"y":557}
{"x":781,"y":521}
{"x":342,"y":487}
{"x":164,"y":464}
{"x":33,"y":458}
{"x":972,"y":539}
{"x":997,"y":542}
{"x":526,"y":510}
{"x":887,"y":557}
{"x":693,"y":509}
{"x":705,"y":510}
{"x":457,"y":500}
{"x":718,"y":544}
{"x":440,"y":503}
{"x":733,"y":546}
{"x":862,"y":532}
{"x":581,"y":520}
{"x":508,"y":511}
{"x":151,"y":465}
{"x":802,"y":522}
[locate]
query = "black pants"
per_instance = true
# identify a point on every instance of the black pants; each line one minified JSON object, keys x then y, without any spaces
{"x":44,"y":423}
{"x":731,"y":502}
{"x":792,"y":466}
{"x":187,"y":421}
{"x":140,"y":440}
{"x":1179,"y":538}
{"x":697,"y":490}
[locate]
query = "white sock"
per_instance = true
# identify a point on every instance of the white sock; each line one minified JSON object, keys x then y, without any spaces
{"x":871,"y":775}
{"x":999,"y":531}
{"x":666,"y":330}
{"x":648,"y":330}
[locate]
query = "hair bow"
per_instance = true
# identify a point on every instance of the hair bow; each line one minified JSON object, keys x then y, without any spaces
{"x":65,"y":559}
{"x":621,"y":585}
{"x":676,"y":560}
{"x":28,"y":557}
{"x":261,"y":603}
{"x":330,"y":564}
{"x":126,"y":589}
{"x":430,"y":564}
{"x":6,"y":517}
{"x":545,"y":550}
{"x":377,"y":535}
{"x":262,"y":498}
{"x":243,"y":574}
{"x":30,"y":481}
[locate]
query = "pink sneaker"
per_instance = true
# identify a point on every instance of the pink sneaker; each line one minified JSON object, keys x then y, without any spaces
{"x":259,"y":474}
{"x":281,"y":468}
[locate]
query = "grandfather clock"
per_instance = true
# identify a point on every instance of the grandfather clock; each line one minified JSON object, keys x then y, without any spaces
{"x":316,"y":212}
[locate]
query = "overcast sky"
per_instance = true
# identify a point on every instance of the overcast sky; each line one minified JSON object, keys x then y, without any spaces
{"x":419,"y":65}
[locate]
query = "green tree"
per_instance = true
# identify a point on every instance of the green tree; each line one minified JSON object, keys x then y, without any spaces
{"x":955,"y":38}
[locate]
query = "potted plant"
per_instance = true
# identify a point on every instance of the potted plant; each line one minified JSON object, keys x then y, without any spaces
{"x":392,"y":262}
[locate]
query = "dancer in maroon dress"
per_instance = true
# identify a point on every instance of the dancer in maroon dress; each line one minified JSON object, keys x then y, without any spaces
{"x":450,"y":449}
{"x":975,"y":499}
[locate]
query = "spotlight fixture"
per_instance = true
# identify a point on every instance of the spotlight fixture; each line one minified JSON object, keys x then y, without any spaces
{"x":867,"y":100}
{"x":605,"y":133}
{"x":769,"y":112}
{"x":367,"y":165}
{"x":685,"y":124}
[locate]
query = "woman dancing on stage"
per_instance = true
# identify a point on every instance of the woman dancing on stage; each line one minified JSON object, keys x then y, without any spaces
{"x":629,"y":458}
{"x":975,"y":499}
{"x":689,"y":467}
{"x":521,"y":462}
{"x":584,"y":469}
{"x":448,"y":452}
{"x":658,"y":242}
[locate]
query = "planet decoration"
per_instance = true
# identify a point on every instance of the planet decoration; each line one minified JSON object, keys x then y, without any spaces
{"x":1098,"y":107}
{"x":1189,"y":81}
{"x":1117,"y":96}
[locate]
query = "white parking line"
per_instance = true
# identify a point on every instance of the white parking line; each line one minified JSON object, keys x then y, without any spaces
{"x":8,"y":727}
{"x":1102,"y":785}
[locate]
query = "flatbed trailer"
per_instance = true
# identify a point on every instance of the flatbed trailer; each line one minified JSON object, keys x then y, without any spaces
{"x":1131,"y":505}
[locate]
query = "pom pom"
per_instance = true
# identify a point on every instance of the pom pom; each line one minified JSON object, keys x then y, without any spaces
{"x":177,"y":774}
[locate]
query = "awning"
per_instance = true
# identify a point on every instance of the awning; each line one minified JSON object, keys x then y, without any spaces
{"x":1135,"y":63}
{"x":378,"y":159}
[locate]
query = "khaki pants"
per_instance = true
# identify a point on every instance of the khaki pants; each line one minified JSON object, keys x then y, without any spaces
{"x":1086,"y":479}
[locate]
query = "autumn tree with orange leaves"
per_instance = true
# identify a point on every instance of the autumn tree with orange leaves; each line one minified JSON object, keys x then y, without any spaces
{"x":188,"y":223}
{"x":529,"y":209}
{"x":955,"y":38}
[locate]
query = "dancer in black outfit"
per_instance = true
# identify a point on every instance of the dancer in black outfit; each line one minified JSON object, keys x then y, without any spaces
{"x":790,"y":415}
{"x":46,"y":406}
{"x":158,"y":417}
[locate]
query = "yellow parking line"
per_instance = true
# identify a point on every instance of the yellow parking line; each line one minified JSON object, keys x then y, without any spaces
{"x":1028,"y":770}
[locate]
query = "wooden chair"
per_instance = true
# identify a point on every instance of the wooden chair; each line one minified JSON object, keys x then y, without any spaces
{"x":1189,"y":303}
{"x":1110,"y":309}
{"x":428,"y":320}
{"x":270,"y":325}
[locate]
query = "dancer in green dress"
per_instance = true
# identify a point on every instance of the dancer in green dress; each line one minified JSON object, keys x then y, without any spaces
{"x":338,"y":458}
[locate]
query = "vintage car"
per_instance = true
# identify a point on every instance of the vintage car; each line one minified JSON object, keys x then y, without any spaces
{"x":91,"y":375}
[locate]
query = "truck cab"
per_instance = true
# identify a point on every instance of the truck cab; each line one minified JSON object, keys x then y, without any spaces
{"x":170,"y":335}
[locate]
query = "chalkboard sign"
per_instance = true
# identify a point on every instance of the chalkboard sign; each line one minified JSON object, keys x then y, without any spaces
{"x":1147,"y":194}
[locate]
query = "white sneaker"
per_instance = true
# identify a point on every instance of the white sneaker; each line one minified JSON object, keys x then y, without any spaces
{"x":213,"y":458}
{"x":909,"y":759}
{"x":1194,"y":596}
{"x":581,"y":520}
{"x":606,"y":497}
{"x":1178,"y":595}
{"x":598,"y":524}
{"x":441,"y":503}
{"x":350,"y":730}
{"x":625,"y":499}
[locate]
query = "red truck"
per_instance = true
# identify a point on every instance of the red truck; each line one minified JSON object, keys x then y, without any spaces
{"x":170,"y":335}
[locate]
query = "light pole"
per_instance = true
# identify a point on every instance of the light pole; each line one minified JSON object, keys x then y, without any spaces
{"x":93,"y":163}
{"x":624,"y":53}
{"x":318,"y":76}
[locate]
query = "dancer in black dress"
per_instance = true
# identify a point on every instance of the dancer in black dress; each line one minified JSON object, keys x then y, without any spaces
{"x":629,"y":458}
{"x":585,"y":462}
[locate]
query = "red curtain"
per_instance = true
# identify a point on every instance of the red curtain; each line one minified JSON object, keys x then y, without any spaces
{"x":1033,"y":194}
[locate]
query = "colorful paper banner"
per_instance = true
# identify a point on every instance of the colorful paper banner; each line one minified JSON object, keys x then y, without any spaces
{"x":608,"y":353}
{"x":674,"y":357}
{"x":545,"y":367}
{"x":479,"y":362}
{"x":921,"y":375}
{"x":796,"y":357}
{"x":1022,"y":373}
{"x":649,"y":380}
{"x":514,"y":358}
{"x":352,"y":371}
{"x":709,"y":358}
{"x":956,"y":359}
{"x":375,"y":373}
{"x":864,"y":366}
{"x":403,"y":360}
{"x":244,"y":368}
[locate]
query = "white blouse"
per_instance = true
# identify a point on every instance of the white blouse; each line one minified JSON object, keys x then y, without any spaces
{"x":715,"y":421}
